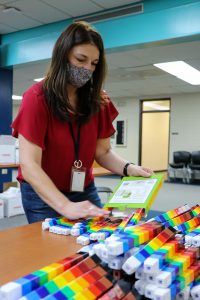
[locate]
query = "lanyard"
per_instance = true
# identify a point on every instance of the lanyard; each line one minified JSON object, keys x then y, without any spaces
{"x":77,"y":162}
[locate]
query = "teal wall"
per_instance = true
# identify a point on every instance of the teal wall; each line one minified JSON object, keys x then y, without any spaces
{"x":163,"y":21}
{"x":6,"y":80}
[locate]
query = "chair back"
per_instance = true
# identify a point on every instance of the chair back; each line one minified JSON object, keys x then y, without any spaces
{"x":182,"y":157}
{"x":195,"y":157}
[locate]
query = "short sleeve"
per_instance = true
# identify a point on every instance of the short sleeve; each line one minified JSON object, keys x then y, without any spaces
{"x":107,"y":114}
{"x":32,"y":118}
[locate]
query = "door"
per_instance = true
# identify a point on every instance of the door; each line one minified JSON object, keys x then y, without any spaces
{"x":154,"y":138}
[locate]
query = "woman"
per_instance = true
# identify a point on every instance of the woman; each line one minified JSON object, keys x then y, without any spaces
{"x":63,"y":124}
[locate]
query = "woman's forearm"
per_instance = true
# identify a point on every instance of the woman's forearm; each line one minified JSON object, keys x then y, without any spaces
{"x":112,"y":161}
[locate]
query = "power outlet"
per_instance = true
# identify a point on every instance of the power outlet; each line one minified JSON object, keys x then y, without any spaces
{"x":4,"y":171}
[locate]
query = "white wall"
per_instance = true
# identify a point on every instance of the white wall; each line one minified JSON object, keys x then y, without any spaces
{"x":15,"y":110}
{"x":184,"y":124}
{"x":129,"y":110}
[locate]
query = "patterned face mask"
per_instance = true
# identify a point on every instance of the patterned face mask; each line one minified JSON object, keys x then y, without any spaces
{"x":78,"y":76}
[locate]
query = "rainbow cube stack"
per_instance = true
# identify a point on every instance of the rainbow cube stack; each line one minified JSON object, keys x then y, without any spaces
{"x":164,"y":254}
{"x":73,"y":278}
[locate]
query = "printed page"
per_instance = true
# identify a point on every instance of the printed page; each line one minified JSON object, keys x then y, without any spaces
{"x":136,"y":191}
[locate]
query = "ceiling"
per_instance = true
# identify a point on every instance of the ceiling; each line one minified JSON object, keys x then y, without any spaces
{"x":130,"y":73}
{"x":33,"y":13}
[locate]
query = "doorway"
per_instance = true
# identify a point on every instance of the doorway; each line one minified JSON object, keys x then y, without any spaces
{"x":154,"y":133}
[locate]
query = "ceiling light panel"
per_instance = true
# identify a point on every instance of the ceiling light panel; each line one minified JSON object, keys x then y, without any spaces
{"x":181,"y":70}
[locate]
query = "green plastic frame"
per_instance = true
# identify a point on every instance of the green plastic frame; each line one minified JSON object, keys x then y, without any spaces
{"x":150,"y":199}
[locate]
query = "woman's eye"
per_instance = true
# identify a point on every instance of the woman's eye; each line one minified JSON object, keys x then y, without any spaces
{"x":80,"y":60}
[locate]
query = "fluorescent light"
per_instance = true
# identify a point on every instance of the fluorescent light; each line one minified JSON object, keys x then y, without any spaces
{"x":38,"y":79}
{"x":15,"y":97}
{"x":181,"y":70}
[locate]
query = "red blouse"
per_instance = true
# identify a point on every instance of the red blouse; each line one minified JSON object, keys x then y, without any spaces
{"x":37,"y":124}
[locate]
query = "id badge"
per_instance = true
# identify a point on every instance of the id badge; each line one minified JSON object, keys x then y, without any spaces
{"x":77,"y":179}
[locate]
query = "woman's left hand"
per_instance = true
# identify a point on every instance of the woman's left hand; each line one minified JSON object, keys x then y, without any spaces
{"x":134,"y":170}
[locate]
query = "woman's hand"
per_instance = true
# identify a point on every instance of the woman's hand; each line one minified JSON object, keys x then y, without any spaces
{"x":105,"y":99}
{"x":84,"y":209}
{"x":134,"y":170}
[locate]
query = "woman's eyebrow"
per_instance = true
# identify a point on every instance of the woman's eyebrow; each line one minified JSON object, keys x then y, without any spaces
{"x":81,"y":54}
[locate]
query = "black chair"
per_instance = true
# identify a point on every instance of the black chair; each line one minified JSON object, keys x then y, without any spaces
{"x":179,"y":167}
{"x":194,"y":166}
{"x":104,"y":189}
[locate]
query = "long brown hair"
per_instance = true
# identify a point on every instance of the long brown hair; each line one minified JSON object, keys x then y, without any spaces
{"x":55,"y":82}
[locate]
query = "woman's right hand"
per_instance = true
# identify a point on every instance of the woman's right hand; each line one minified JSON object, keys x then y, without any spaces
{"x":84,"y":209}
{"x":105,"y":99}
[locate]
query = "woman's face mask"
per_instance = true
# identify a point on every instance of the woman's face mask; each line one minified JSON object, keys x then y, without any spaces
{"x":78,"y":76}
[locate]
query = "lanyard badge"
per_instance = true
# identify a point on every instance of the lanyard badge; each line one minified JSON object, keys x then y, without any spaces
{"x":78,"y":172}
{"x":77,"y":179}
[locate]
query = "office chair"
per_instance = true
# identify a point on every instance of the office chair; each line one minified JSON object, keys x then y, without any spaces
{"x":194,"y":166}
{"x":106,"y":190}
{"x":181,"y":159}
